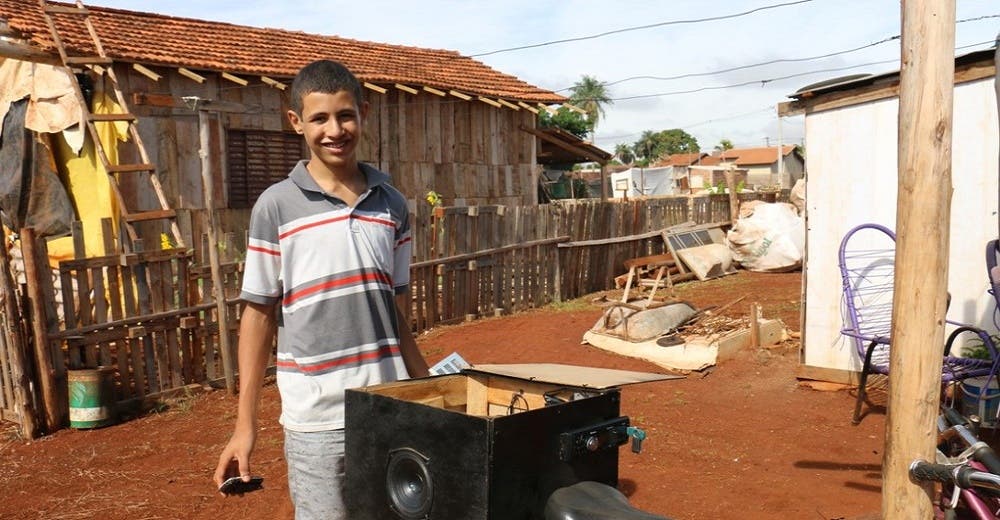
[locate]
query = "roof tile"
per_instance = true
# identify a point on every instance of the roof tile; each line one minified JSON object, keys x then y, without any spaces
{"x":156,"y":39}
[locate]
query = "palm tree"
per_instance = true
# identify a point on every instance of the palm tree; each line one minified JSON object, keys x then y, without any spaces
{"x":624,"y":153}
{"x":592,"y":96}
{"x":724,"y":145}
{"x":645,"y":147}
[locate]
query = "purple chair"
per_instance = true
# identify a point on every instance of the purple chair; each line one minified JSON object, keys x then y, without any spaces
{"x":867,"y":257}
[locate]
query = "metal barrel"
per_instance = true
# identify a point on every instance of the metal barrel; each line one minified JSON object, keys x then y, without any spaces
{"x":91,"y":398}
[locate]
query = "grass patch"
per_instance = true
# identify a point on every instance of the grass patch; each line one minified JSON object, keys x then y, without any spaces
{"x":579,"y":304}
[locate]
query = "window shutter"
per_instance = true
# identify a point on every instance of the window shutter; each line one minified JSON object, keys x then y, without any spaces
{"x":258,"y":159}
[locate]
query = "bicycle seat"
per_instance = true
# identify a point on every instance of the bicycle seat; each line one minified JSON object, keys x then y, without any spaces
{"x":590,"y":500}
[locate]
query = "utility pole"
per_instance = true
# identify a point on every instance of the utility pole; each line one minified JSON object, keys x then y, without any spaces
{"x":923,"y":219}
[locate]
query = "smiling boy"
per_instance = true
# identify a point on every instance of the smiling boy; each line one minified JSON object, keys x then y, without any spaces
{"x":330,"y":245}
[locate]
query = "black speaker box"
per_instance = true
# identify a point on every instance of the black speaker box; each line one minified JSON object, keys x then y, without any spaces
{"x":477,"y":445}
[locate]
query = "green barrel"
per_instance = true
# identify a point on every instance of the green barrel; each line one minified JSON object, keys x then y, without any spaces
{"x":91,"y":398}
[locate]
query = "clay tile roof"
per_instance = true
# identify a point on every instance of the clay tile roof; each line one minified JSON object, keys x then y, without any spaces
{"x":154,"y":39}
{"x":682,"y":159}
{"x":749,"y":156}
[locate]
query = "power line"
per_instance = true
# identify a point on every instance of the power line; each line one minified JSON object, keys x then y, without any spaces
{"x":742,"y":67}
{"x":637,"y":28}
{"x":763,"y":82}
{"x":771,"y":62}
{"x":726,"y":118}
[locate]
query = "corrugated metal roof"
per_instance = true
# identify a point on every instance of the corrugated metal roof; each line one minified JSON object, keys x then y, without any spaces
{"x":860,"y":80}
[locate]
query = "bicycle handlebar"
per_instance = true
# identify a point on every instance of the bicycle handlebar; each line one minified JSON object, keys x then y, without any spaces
{"x":953,"y":416}
{"x":962,"y":476}
{"x":962,"y":427}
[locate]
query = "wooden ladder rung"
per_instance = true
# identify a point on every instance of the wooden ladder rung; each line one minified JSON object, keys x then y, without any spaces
{"x":88,"y":60}
{"x":151,"y":215}
{"x":65,"y":9}
{"x":110,"y":117}
{"x":130,"y":168}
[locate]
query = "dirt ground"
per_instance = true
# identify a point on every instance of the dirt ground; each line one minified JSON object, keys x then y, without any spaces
{"x":742,"y":440}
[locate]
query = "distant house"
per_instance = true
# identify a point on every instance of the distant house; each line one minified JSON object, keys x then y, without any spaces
{"x":764,"y":166}
{"x":681,"y":163}
{"x":438,"y":120}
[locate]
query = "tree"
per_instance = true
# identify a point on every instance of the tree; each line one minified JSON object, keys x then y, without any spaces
{"x":653,"y":145}
{"x":645,"y":147}
{"x":624,"y":153}
{"x":566,"y":119}
{"x":592,"y":96}
{"x":724,"y":145}
{"x":677,"y":141}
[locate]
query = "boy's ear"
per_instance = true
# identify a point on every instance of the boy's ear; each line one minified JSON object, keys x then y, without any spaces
{"x":294,"y":119}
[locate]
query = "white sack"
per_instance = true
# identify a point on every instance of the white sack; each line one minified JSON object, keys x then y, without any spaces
{"x":772,"y":238}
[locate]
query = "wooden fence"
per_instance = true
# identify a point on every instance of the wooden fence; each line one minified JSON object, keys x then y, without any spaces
{"x":484,"y":260}
{"x":151,"y":315}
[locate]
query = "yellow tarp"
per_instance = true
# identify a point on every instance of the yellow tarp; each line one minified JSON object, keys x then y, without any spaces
{"x":87,"y":183}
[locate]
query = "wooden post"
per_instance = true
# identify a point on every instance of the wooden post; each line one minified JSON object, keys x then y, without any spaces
{"x":734,"y":199}
{"x":16,"y":342}
{"x":755,"y":325}
{"x":218,"y":291}
{"x":43,"y":360}
{"x":923,"y":214}
{"x":604,"y":182}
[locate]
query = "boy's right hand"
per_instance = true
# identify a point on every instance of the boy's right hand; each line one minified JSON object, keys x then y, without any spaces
{"x":235,"y":458}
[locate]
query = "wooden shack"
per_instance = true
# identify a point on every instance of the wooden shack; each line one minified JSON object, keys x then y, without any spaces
{"x":439,"y":121}
{"x":851,"y":135}
{"x":156,"y":309}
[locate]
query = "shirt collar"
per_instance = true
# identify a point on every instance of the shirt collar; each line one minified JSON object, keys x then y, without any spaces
{"x":300,"y":176}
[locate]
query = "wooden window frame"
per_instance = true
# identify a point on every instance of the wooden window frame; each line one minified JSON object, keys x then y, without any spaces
{"x":256,"y":159}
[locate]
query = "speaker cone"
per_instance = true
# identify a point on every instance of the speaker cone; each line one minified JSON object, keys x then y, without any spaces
{"x":408,"y":482}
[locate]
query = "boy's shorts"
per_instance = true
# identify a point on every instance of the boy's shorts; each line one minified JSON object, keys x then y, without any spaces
{"x":316,"y":474}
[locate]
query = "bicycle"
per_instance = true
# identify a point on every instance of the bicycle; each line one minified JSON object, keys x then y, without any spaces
{"x":967,"y":468}
{"x":589,"y":500}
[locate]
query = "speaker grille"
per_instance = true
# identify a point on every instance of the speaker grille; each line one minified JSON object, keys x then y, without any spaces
{"x":408,"y":483}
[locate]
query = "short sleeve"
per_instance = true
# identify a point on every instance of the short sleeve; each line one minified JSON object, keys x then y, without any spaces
{"x":402,"y":254}
{"x":262,"y":270}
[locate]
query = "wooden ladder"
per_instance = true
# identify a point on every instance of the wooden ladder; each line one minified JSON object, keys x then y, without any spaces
{"x":102,"y":64}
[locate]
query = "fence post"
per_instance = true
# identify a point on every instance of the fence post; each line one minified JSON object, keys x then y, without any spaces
{"x":14,"y":336}
{"x":218,"y":290}
{"x":34,"y":259}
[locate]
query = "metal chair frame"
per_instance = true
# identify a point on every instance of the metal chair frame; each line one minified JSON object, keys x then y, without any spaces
{"x":868,"y":278}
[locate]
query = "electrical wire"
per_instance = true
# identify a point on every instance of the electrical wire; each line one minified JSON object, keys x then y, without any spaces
{"x":772,"y":62}
{"x":742,"y":67}
{"x":764,"y":82}
{"x":637,"y":28}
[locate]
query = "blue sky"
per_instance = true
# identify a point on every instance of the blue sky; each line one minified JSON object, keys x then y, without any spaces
{"x":745,"y":115}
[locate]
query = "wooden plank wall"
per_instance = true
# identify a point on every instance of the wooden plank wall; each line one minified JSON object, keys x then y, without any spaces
{"x":467,"y":151}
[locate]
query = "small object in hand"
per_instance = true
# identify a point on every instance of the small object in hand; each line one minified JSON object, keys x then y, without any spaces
{"x":236,"y":485}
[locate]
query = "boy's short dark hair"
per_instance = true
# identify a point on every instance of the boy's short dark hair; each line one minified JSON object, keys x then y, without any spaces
{"x":326,"y":76}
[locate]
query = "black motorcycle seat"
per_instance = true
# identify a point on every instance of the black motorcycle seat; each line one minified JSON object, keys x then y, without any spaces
{"x":590,"y":500}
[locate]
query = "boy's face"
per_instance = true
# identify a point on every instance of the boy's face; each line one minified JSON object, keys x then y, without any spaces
{"x":331,"y":125}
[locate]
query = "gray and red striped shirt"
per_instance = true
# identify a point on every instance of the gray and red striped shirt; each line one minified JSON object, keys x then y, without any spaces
{"x":335,"y":270}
